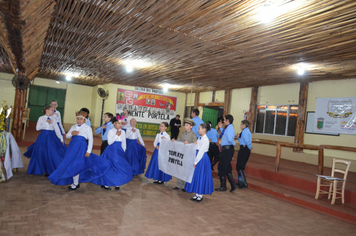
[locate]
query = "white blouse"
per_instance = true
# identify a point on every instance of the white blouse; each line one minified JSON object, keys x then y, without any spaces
{"x":203,"y":147}
{"x":159,"y":138}
{"x":42,"y":124}
{"x":128,"y":125}
{"x":84,"y":131}
{"x":112,"y":137}
{"x":134,"y":135}
{"x":57,"y":117}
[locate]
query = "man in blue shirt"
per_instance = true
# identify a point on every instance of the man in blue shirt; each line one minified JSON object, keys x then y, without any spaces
{"x":104,"y":130}
{"x":197,"y":121}
{"x":227,"y":137}
{"x":245,"y":140}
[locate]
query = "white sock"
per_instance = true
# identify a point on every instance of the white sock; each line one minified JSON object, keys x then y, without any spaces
{"x":199,"y":195}
{"x":75,"y":181}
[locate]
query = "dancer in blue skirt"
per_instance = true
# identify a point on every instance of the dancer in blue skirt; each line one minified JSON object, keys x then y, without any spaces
{"x":153,"y":171}
{"x":202,"y":182}
{"x":135,"y":153}
{"x":48,"y":151}
{"x":120,"y":172}
{"x":78,"y":160}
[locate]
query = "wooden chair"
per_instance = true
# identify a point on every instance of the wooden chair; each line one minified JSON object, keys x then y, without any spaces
{"x":26,"y":120}
{"x":332,"y":181}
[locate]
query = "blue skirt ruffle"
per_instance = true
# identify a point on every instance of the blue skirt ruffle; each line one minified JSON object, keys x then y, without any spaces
{"x":136,"y":156}
{"x":46,"y":153}
{"x":153,"y":171}
{"x":120,"y":172}
{"x":202,"y":182}
{"x":75,"y":162}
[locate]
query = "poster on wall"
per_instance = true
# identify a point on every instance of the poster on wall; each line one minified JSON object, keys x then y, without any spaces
{"x":335,"y":115}
{"x":146,"y":107}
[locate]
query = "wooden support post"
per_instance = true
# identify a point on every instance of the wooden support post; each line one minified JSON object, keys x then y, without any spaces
{"x":253,"y":109}
{"x":185,"y":106}
{"x":213,"y":97}
{"x":196,"y":100}
{"x":321,"y":160}
{"x":302,"y":110}
{"x":278,"y":157}
{"x":19,"y":106}
{"x":227,"y":101}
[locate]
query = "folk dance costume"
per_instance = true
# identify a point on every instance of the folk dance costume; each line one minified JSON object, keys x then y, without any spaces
{"x":213,"y":152}
{"x":128,"y":125}
{"x":104,"y":135}
{"x":57,"y":118}
{"x":153,"y":172}
{"x":75,"y":164}
{"x":245,"y":140}
{"x":120,"y":171}
{"x":202,"y":182}
{"x":135,"y":153}
{"x":48,"y":151}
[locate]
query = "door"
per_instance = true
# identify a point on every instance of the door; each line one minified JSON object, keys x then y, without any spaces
{"x":211,"y":115}
{"x":40,"y":97}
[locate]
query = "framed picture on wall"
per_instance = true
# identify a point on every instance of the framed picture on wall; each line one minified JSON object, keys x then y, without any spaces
{"x":309,"y":126}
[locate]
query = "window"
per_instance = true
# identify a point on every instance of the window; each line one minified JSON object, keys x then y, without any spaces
{"x":277,"y":120}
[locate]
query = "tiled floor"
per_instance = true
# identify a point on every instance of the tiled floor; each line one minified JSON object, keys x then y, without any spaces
{"x":31,"y":205}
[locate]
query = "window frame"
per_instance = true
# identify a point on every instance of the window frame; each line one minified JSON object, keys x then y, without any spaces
{"x":275,"y":120}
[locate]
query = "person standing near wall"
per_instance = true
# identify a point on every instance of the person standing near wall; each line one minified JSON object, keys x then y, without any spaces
{"x":197,"y":121}
{"x":175,"y":124}
{"x":57,"y":116}
{"x":245,"y":140}
{"x":228,"y":150}
{"x":126,"y":121}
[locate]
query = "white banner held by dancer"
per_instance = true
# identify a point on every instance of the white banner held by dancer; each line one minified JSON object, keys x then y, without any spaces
{"x":335,"y":115}
{"x":177,"y":159}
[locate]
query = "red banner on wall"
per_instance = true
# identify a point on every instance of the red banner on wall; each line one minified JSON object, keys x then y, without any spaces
{"x":146,"y":107}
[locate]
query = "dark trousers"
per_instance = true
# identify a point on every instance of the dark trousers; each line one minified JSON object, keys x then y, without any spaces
{"x":242,"y":157}
{"x":174,"y":134}
{"x":213,"y":152}
{"x":104,"y":144}
{"x":226,"y":156}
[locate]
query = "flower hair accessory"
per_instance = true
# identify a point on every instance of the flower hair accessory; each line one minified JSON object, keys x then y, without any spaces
{"x":120,"y":118}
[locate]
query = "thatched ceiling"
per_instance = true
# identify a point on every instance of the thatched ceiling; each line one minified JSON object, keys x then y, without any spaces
{"x":214,"y":44}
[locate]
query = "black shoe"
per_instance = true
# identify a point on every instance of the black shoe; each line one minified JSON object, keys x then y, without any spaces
{"x":72,"y":189}
{"x":155,"y":182}
{"x":221,"y":189}
{"x":117,"y":188}
{"x":242,"y":181}
{"x":106,"y":188}
{"x":45,"y":175}
{"x":194,"y":198}
{"x":184,"y":191}
{"x":232,"y":182}
{"x":175,"y":188}
{"x":199,"y":199}
{"x":160,"y":182}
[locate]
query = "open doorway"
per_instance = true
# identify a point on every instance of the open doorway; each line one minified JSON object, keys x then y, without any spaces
{"x":212,"y":113}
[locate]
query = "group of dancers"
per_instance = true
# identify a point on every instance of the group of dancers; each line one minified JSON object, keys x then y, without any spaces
{"x":121,"y":157}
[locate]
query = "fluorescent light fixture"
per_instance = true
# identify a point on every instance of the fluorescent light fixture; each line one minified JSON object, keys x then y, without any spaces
{"x":138,"y":63}
{"x":57,"y":82}
{"x":68,"y":78}
{"x":165,"y":88}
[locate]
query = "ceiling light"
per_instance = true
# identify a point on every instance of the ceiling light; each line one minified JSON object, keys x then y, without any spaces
{"x":70,"y":75}
{"x":68,"y":78}
{"x":301,"y":71}
{"x":57,"y":82}
{"x":129,"y":68}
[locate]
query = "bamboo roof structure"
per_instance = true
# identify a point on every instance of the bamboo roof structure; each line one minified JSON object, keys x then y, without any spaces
{"x":192,"y":44}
